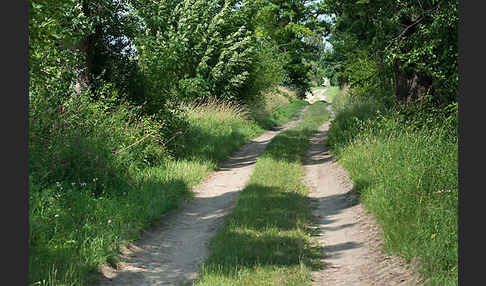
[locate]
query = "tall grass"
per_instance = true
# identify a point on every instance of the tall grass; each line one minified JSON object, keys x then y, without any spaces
{"x":404,"y":163}
{"x":97,"y":178}
{"x":216,"y":129}
{"x":275,"y":108}
{"x":265,"y":240}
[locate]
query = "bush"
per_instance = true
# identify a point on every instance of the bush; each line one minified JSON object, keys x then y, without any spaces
{"x":78,"y":140}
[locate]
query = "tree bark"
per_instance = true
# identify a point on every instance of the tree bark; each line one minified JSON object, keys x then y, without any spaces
{"x":410,"y":85}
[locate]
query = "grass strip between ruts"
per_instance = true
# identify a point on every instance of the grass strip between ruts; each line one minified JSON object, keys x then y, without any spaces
{"x":265,"y":240}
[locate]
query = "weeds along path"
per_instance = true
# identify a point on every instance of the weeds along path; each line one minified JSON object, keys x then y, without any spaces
{"x":170,"y":253}
{"x":349,"y":237}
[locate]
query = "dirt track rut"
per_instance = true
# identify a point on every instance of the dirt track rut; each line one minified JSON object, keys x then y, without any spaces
{"x":349,"y":236}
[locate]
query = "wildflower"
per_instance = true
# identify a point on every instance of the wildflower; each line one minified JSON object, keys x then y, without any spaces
{"x":83,"y":184}
{"x":115,"y":152}
{"x":73,"y":184}
{"x":57,"y":215}
{"x":109,"y":221}
{"x":95,"y":179}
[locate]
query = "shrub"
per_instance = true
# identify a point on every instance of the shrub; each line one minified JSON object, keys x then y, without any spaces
{"x":78,"y":140}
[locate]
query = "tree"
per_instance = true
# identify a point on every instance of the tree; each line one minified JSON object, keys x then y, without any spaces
{"x":295,"y":28}
{"x":412,"y":42}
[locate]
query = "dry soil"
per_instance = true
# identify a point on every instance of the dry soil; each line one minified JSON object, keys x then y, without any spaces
{"x":349,"y":237}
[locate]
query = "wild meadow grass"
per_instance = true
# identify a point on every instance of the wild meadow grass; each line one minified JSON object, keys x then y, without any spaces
{"x":404,"y":164}
{"x":216,"y":129}
{"x":98,"y":178}
{"x":265,"y":240}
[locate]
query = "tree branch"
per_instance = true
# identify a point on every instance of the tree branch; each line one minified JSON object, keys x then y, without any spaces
{"x":432,"y":11}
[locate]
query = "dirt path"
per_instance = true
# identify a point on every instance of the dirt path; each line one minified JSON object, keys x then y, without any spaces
{"x":170,"y":254}
{"x":349,"y":236}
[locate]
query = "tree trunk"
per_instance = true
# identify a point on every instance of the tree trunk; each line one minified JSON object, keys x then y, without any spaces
{"x":410,"y":85}
{"x":87,"y":48}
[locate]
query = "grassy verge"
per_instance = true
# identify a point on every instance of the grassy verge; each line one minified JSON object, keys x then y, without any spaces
{"x":104,"y":193}
{"x":264,"y":241}
{"x":404,"y":163}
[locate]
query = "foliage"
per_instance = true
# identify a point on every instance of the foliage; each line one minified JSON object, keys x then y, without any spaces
{"x":412,"y":42}
{"x":211,"y":50}
{"x":268,"y":71}
{"x":296,"y":29}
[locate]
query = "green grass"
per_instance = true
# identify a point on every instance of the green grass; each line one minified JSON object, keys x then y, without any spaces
{"x":265,"y":240}
{"x":404,"y":164}
{"x":282,"y":114}
{"x":76,"y":225}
